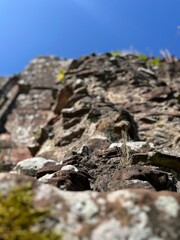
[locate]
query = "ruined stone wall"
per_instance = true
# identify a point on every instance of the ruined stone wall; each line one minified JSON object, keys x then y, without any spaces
{"x":98,"y":138}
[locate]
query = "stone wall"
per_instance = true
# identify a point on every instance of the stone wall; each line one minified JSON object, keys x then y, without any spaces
{"x":98,"y":140}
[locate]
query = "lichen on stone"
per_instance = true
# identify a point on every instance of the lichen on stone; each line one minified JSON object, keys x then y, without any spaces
{"x":168,"y":205}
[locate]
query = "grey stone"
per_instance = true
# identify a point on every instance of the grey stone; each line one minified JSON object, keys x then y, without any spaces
{"x":133,"y":145}
{"x":31,"y":165}
{"x":125,"y":214}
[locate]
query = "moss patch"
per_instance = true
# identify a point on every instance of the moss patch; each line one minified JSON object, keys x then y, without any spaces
{"x":19,"y":220}
{"x":115,"y":53}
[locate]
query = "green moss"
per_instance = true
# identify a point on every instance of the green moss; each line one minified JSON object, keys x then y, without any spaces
{"x":152,"y":62}
{"x":40,"y":135}
{"x":155,"y":62}
{"x":19,"y":220}
{"x":37,"y":133}
{"x":141,"y":56}
{"x":115,"y":53}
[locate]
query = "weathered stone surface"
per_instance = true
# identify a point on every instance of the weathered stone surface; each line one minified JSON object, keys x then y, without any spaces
{"x":134,"y":146}
{"x":36,"y":88}
{"x":158,"y":179}
{"x":126,"y":184}
{"x":70,"y":180}
{"x":8,"y":93}
{"x":32,"y":165}
{"x":48,"y":170}
{"x":99,"y":115}
{"x":125,"y":214}
{"x":113,"y":119}
{"x":159,"y":94}
{"x":42,"y":72}
{"x":63,"y":95}
{"x":66,"y":177}
{"x":167,"y":159}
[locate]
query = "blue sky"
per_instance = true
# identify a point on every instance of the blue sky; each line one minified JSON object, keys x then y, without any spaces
{"x":71,"y":28}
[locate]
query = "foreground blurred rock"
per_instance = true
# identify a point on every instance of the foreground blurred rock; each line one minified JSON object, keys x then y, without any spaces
{"x":102,"y":123}
{"x":125,"y":214}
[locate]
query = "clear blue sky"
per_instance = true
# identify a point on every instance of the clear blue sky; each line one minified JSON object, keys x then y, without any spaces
{"x":71,"y":28}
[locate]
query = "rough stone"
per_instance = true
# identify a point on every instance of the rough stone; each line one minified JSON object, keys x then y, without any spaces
{"x":32,"y":165}
{"x":70,"y":180}
{"x":164,"y":158}
{"x":158,"y":179}
{"x":115,"y":119}
{"x":134,"y":146}
{"x":124,"y":214}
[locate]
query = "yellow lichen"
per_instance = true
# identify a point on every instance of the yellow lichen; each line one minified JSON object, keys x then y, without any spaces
{"x":61,"y":75}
